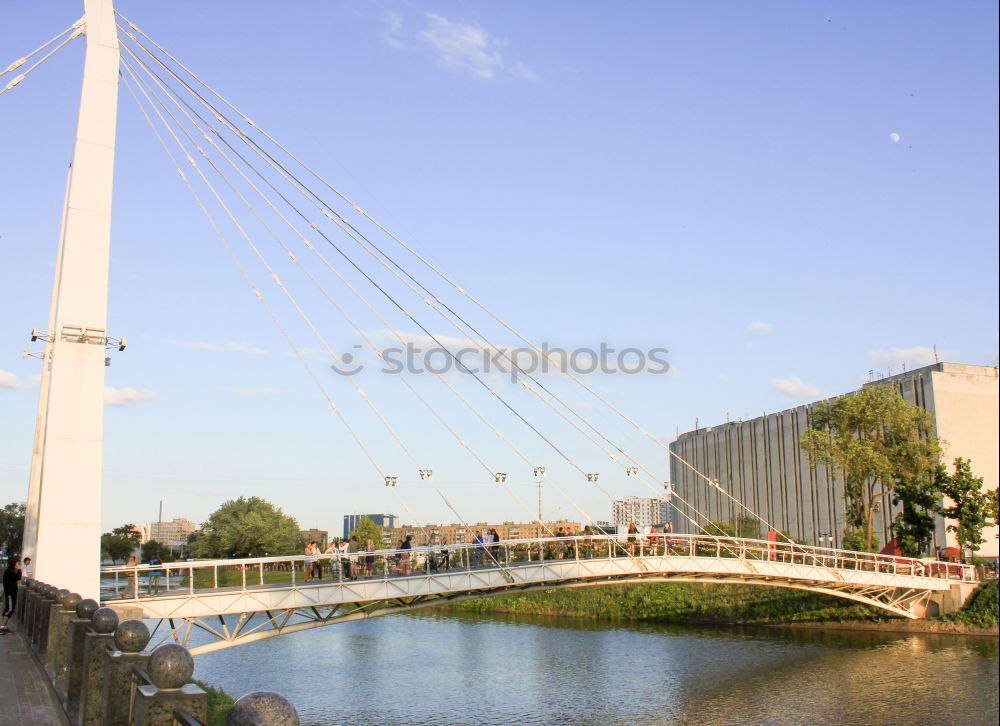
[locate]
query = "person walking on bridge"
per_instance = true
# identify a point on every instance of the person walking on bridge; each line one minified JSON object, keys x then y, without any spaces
{"x":155,"y":573}
{"x":311,"y":552}
{"x":11,"y":578}
{"x":404,"y":557}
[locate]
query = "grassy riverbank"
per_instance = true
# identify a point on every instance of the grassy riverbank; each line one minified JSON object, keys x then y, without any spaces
{"x":679,"y":602}
{"x":692,"y":602}
{"x":981,"y":609}
{"x":219,"y":703}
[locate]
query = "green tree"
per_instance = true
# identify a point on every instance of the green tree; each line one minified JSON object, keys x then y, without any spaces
{"x":913,"y":527}
{"x":119,"y":543}
{"x":746,"y":525}
{"x":859,"y":540}
{"x":127,"y":531}
{"x":876,"y":439}
{"x":247,"y":527}
{"x":115,"y":547}
{"x":971,"y":509}
{"x":151,"y":547}
{"x":718,"y":528}
{"x":12,"y":528}
{"x":366,"y":530}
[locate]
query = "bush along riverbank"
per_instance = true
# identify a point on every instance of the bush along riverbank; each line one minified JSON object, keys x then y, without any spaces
{"x":682,"y":602}
{"x":726,"y":604}
{"x":219,"y":703}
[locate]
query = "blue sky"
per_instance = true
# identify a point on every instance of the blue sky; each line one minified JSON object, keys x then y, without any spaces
{"x":784,"y":195}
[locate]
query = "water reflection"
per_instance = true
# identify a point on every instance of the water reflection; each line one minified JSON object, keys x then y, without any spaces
{"x":471,"y":669}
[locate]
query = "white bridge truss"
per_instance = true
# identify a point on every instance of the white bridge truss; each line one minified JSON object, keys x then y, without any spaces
{"x":199,"y":596}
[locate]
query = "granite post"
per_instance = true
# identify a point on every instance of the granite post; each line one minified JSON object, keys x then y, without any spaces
{"x":97,"y":642}
{"x":130,"y":638}
{"x":63,"y":611}
{"x":43,"y":611}
{"x":170,"y":668}
{"x":78,"y":628}
{"x":262,"y":708}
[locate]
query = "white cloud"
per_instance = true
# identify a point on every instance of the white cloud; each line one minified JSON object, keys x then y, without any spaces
{"x":393,"y":29}
{"x":759,"y":326}
{"x":8,"y":380}
{"x":219,"y":347}
{"x":256,"y":392}
{"x":124,"y":396}
{"x":915,"y":357}
{"x":465,"y":46}
{"x":794,"y":387}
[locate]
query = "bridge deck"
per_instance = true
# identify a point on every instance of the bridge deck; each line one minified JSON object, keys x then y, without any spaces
{"x":197,"y":589}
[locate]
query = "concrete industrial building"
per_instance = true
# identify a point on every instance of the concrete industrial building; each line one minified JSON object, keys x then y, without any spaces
{"x":174,"y":532}
{"x":320,"y":536}
{"x":643,"y":511}
{"x":760,"y":463}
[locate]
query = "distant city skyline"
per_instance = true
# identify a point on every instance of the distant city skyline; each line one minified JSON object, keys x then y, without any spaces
{"x":782,"y":196}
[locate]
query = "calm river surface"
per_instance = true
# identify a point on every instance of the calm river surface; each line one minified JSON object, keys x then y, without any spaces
{"x":482,"y":670}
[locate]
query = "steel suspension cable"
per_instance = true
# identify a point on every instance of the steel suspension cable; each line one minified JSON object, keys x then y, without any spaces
{"x":323,"y":291}
{"x":75,"y":30}
{"x":147,"y":93}
{"x":324,"y":209}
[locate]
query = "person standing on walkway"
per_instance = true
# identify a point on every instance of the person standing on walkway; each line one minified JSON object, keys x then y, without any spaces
{"x":333,"y":549}
{"x":131,"y":591}
{"x":310,"y":557}
{"x":632,"y":532}
{"x":11,"y":578}
{"x":369,"y":559}
{"x":155,"y":573}
{"x":318,"y":564}
{"x":444,"y":561}
{"x":404,"y":557}
{"x":352,"y":557}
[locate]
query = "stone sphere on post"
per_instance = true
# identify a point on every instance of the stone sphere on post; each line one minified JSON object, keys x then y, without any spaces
{"x":170,"y":666}
{"x":262,"y":708}
{"x":103,"y":620}
{"x":131,"y":636}
{"x":60,"y":594}
{"x":69,"y":602}
{"x":85,"y":609}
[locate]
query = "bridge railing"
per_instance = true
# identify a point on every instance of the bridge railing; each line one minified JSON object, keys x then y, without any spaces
{"x":197,"y":576}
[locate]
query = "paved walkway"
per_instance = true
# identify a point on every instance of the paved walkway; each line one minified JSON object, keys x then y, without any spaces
{"x":26,"y":696}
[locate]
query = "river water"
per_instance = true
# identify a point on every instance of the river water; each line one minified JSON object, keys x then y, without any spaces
{"x":484,"y":670}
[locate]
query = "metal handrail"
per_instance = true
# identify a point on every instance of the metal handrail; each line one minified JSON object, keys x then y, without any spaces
{"x":425,"y":560}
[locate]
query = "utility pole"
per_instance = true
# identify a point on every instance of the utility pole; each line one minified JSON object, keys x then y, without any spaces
{"x":539,"y":473}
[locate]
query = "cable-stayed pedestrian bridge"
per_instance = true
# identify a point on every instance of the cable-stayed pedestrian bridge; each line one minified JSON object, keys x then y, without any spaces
{"x":268,"y":596}
{"x":320,"y":268}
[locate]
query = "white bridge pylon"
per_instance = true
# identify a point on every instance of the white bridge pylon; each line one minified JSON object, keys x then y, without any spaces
{"x":198,"y":594}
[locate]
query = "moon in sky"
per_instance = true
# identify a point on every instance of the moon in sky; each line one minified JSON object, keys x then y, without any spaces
{"x":894,"y":137}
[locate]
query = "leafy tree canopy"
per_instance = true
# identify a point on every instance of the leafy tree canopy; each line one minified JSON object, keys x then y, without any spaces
{"x":247,"y":527}
{"x":119,"y":543}
{"x":366,"y":530}
{"x":151,"y":547}
{"x":12,"y":528}
{"x":971,"y":508}
{"x":880,"y":442}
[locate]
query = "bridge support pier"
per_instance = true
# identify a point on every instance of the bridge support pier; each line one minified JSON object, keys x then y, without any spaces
{"x":946,"y":602}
